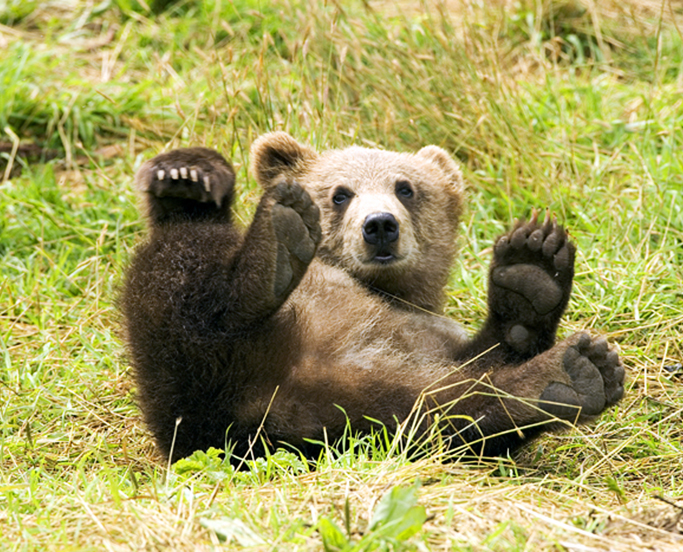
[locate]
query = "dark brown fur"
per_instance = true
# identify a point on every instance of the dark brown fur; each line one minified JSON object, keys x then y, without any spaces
{"x":302,"y":326}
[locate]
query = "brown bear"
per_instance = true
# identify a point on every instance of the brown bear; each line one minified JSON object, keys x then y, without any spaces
{"x":326,"y":314}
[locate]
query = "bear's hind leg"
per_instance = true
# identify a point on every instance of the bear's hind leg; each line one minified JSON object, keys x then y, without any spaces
{"x":187,"y":184}
{"x":596,"y":380}
{"x":575,"y":380}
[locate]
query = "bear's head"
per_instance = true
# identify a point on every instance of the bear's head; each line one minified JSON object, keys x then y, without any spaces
{"x":389,"y":219}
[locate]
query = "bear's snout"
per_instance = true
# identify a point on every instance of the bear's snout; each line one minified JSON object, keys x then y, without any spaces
{"x":380,"y":229}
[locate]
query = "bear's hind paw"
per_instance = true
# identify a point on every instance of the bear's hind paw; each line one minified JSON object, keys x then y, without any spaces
{"x":186,"y":183}
{"x":596,"y":380}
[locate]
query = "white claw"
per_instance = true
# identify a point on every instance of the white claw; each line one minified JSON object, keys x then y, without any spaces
{"x":193,"y":175}
{"x":160,"y":174}
{"x":207,"y":186}
{"x":183,"y":172}
{"x":174,"y":174}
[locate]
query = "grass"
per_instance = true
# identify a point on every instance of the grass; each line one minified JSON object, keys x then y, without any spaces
{"x":575,"y":106}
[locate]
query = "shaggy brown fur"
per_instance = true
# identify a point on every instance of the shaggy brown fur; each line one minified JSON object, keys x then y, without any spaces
{"x":326,"y":311}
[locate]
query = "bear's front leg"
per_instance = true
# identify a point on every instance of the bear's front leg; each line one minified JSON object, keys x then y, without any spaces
{"x":279,"y":245}
{"x":530,"y":281}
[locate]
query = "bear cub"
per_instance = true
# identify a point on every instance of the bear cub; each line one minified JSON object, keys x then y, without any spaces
{"x":327,"y":311}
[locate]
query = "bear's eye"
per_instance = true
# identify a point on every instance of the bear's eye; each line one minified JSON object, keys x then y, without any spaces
{"x":404,"y":190}
{"x":341,"y":196}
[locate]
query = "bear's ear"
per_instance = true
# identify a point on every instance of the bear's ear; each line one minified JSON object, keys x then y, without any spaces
{"x":446,"y":163}
{"x":277,"y":153}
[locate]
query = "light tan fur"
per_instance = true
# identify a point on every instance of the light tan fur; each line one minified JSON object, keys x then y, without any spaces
{"x":427,"y":243}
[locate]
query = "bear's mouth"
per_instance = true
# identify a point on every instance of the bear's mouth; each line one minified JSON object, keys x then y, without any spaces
{"x":380,"y":258}
{"x":384,"y":258}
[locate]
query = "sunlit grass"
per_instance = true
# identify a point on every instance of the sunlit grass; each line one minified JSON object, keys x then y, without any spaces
{"x":545,"y":104}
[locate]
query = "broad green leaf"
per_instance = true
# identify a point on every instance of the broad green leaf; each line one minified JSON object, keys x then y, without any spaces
{"x":333,"y":538}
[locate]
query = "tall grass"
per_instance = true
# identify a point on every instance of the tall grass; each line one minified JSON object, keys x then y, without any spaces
{"x":566,"y":104}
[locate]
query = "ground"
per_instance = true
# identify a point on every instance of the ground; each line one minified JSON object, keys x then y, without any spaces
{"x":572,"y":105}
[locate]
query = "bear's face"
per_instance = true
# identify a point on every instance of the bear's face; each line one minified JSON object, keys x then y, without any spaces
{"x":389,"y":219}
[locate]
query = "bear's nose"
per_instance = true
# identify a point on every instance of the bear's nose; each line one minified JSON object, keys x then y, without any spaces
{"x":380,"y":229}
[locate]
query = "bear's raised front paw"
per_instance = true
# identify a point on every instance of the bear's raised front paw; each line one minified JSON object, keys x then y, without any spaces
{"x":196,"y":174}
{"x":296,"y":222}
{"x":596,"y":380}
{"x":530,"y":283}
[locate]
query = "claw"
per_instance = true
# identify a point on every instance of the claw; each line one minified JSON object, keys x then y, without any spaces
{"x":547,"y":224}
{"x":174,"y":174}
{"x":160,"y":174}
{"x":193,"y":175}
{"x":534,"y":216}
{"x":207,"y":185}
{"x":183,"y":173}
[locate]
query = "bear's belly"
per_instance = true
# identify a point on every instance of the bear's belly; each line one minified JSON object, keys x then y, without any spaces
{"x":342,"y":323}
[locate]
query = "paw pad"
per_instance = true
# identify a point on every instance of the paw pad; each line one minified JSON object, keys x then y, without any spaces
{"x":596,"y":380}
{"x":530,"y":282}
{"x":296,"y":222}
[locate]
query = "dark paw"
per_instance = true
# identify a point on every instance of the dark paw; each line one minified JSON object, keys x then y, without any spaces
{"x":535,"y":262}
{"x":597,"y":380}
{"x":194,"y":174}
{"x":530,"y":283}
{"x":296,"y":222}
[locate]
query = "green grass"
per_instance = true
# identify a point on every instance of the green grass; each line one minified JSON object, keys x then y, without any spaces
{"x":546,"y":104}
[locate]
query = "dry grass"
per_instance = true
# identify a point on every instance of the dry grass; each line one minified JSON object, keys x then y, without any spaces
{"x":571,"y":104}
